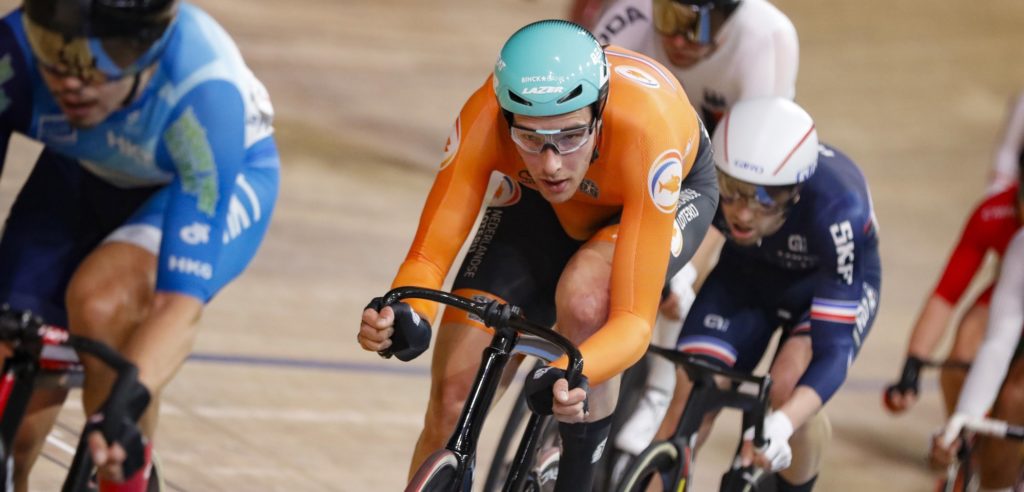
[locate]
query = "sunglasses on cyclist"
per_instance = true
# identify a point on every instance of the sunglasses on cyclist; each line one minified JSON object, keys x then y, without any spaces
{"x":564,"y":141}
{"x":762,"y":200}
{"x":691,"y":21}
{"x":91,"y":59}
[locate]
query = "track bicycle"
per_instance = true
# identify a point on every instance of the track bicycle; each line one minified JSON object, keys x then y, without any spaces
{"x":673,"y":460}
{"x":451,"y":469}
{"x":631,"y":390}
{"x":960,"y":475}
{"x":26,"y":334}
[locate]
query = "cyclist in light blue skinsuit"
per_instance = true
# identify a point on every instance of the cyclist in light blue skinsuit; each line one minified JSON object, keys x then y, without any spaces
{"x":155,"y":187}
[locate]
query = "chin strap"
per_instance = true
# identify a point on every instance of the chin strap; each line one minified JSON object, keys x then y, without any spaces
{"x":134,"y":92}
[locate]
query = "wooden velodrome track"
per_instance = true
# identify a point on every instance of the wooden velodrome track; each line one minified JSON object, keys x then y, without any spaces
{"x":278,"y":395}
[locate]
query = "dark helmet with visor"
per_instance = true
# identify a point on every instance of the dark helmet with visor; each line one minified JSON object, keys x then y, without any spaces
{"x":98,"y":39}
{"x":690,"y":18}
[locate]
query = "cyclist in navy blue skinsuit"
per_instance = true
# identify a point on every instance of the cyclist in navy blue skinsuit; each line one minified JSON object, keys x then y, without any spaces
{"x":155,"y":187}
{"x":801,"y":254}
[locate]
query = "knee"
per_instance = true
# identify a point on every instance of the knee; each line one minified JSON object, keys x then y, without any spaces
{"x":93,"y":311}
{"x":90,"y":310}
{"x":582,"y":311}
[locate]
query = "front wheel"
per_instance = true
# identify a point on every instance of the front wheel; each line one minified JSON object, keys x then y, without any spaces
{"x":439,"y":473}
{"x":659,"y":459}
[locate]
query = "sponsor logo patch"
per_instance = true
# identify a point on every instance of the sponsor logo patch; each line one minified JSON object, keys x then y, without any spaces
{"x":544,"y":89}
{"x":588,"y":187}
{"x":842,"y":236}
{"x":191,"y":152}
{"x":716,"y":322}
{"x":190,"y":266}
{"x":196,"y":233}
{"x":665,"y":180}
{"x":508,"y":193}
{"x":677,"y":239}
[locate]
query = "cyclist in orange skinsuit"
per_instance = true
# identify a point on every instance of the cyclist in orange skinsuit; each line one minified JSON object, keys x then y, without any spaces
{"x":591,"y":209}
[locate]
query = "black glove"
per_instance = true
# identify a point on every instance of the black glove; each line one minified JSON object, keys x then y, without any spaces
{"x":537,"y":389}
{"x":412,"y":333}
{"x":908,"y":382}
{"x":909,"y":379}
{"x":118,"y":421}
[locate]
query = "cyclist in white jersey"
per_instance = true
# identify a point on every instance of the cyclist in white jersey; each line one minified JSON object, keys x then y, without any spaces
{"x":722,"y":51}
{"x":748,"y":49}
{"x":996,"y":379}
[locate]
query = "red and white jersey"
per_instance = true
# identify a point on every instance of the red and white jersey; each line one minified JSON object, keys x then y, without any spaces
{"x":757,"y":54}
{"x":1009,"y":148}
{"x":990,"y":228}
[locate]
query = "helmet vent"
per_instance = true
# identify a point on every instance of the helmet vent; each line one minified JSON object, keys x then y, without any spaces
{"x":516,"y":98}
{"x":573,"y":93}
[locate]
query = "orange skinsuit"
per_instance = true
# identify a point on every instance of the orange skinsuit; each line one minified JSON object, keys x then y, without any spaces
{"x":648,"y":122}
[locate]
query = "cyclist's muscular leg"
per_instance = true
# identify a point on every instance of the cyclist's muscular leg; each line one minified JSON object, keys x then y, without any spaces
{"x":965,"y":345}
{"x":581,"y":302}
{"x":999,"y":458}
{"x":40,"y":415}
{"x":110,"y":294}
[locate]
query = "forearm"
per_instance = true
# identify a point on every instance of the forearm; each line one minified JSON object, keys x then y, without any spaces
{"x":800,"y":407}
{"x":164,"y":339}
{"x":930,"y":327}
{"x":707,"y":255}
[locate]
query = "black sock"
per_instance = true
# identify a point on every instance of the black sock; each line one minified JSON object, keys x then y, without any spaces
{"x":582,"y":447}
{"x":781,"y":485}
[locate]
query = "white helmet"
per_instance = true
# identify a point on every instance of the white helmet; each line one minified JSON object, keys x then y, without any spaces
{"x":767,"y":141}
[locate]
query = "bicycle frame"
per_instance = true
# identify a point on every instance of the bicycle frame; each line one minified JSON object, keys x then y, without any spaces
{"x":508,"y":323}
{"x":705,"y":397}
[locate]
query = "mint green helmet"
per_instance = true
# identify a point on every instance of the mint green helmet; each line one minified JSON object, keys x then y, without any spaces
{"x":551,"y":67}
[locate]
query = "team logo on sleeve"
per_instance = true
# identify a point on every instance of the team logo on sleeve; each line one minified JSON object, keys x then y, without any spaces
{"x":508,"y":193}
{"x":636,"y":75}
{"x":451,"y":147}
{"x":665,"y":179}
{"x":677,"y":239}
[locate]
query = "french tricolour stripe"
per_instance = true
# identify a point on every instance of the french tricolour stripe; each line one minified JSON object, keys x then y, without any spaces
{"x":834,"y":310}
{"x":708,"y":346}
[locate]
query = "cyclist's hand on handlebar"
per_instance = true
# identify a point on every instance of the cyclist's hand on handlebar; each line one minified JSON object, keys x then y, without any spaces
{"x":376,"y":329}
{"x":569,"y":406}
{"x":940,"y":455}
{"x":108,"y":458}
{"x":776,"y":454}
{"x":116,"y":444}
{"x":900,"y":396}
{"x":946,"y":442}
{"x":393,"y":330}
{"x":547,"y":393}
